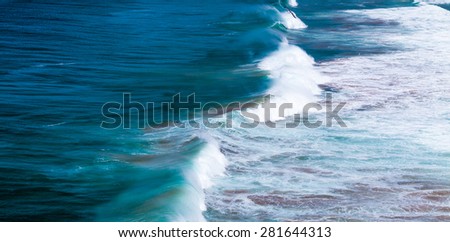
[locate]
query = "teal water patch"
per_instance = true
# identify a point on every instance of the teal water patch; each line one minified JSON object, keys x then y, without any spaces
{"x":445,"y":6}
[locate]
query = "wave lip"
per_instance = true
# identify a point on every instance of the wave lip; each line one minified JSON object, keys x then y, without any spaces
{"x":291,"y":21}
{"x":293,"y":3}
{"x":295,"y":79}
{"x":209,"y":164}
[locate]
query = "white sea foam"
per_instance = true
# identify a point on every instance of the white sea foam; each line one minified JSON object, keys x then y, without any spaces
{"x":293,"y":3}
{"x":294,"y":82}
{"x":365,"y":169}
{"x":288,"y":18}
{"x":291,"y":22}
{"x":295,"y":79}
{"x":208,"y":165}
{"x":414,"y":80}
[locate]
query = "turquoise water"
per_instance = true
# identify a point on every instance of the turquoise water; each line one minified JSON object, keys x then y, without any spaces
{"x":388,"y":60}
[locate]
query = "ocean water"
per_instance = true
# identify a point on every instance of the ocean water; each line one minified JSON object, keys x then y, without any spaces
{"x":387,"y":60}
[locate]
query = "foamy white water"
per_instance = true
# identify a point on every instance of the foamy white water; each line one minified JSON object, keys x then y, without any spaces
{"x":293,"y":3}
{"x":390,"y":164}
{"x":209,"y":164}
{"x":295,"y":79}
{"x":294,"y":76}
{"x":414,"y":78}
{"x":291,"y":21}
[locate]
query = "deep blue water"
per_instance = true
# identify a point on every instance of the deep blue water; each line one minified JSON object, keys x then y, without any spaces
{"x":60,"y":62}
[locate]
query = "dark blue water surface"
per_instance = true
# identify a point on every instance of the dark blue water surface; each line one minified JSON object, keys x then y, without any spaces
{"x":60,"y":62}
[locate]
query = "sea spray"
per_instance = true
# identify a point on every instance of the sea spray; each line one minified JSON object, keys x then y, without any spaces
{"x":293,"y":3}
{"x":208,"y":164}
{"x":295,"y":79}
{"x":291,"y":21}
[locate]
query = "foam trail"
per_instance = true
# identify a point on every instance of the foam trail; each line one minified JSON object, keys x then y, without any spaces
{"x":208,"y":164}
